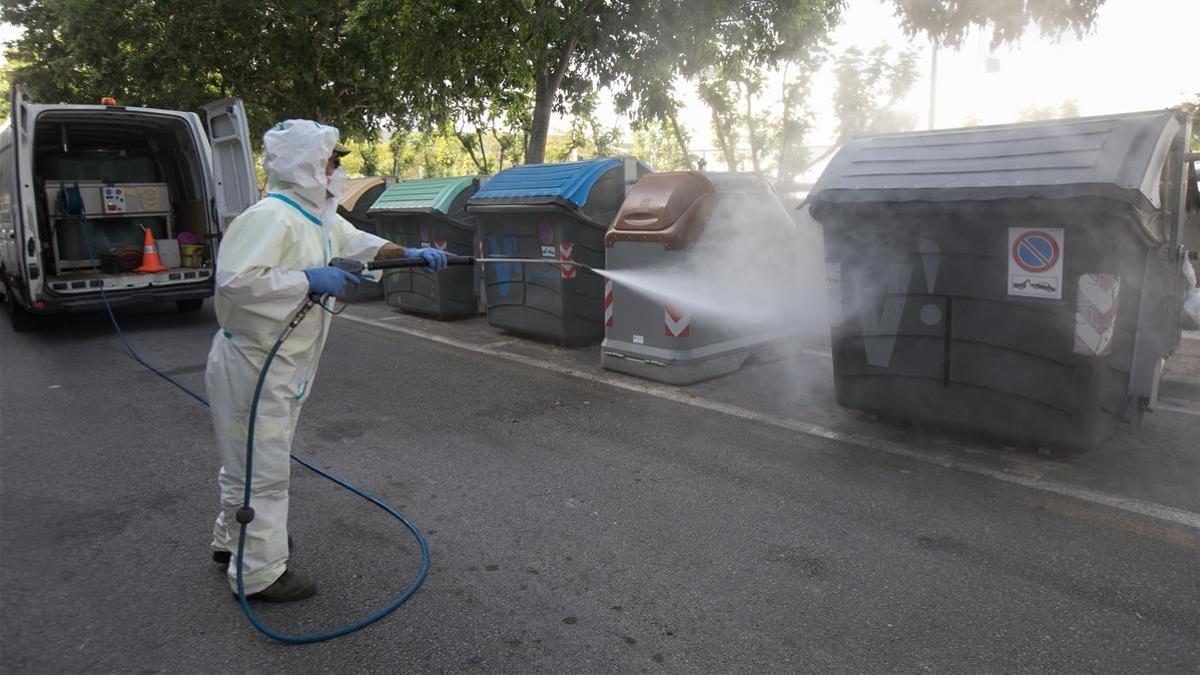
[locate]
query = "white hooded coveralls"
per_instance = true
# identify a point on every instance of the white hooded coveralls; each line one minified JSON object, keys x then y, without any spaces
{"x":260,"y":283}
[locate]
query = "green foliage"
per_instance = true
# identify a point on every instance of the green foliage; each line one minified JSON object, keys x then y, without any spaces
{"x":587,"y":137}
{"x":496,"y":138}
{"x":302,"y":58}
{"x":494,"y":70}
{"x":655,"y":144}
{"x":797,"y":117}
{"x":868,"y":84}
{"x":1066,"y":109}
{"x":6,"y":80}
{"x":750,"y":41}
{"x":405,"y":155}
{"x":947,"y":22}
{"x":558,"y":52}
{"x":1193,"y":107}
{"x":716,"y":92}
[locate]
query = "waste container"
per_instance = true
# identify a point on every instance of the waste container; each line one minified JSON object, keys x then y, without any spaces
{"x":431,"y":213}
{"x":721,"y":237}
{"x":1021,"y":281}
{"x":553,"y":211}
{"x":358,"y":196}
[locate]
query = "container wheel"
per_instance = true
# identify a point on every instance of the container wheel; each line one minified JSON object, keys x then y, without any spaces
{"x":190,"y":305}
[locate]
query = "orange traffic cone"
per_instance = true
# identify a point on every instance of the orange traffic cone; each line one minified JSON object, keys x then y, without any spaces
{"x":150,"y":260}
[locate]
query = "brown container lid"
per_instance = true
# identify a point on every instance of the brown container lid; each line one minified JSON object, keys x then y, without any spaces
{"x":667,"y":208}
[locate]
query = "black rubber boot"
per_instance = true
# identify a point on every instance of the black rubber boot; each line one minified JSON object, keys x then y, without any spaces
{"x":289,"y":587}
{"x":222,"y":558}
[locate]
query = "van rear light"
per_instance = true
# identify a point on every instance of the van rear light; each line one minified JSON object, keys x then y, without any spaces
{"x":38,"y":304}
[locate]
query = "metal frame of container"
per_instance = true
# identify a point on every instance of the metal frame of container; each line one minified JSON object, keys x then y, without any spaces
{"x":360,"y":194}
{"x":919,"y":237}
{"x":556,"y":211}
{"x":431,"y":213}
{"x":663,"y":224}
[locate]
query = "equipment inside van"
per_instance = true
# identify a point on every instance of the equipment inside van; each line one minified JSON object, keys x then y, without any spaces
{"x":137,"y":170}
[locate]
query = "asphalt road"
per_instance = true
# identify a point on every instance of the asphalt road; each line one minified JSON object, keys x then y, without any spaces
{"x":575,"y":526}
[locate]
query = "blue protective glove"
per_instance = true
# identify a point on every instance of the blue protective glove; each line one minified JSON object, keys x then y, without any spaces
{"x":328,"y":280}
{"x":435,"y":259}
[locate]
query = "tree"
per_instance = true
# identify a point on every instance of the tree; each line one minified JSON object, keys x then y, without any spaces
{"x":868,"y":85}
{"x":1066,"y":109}
{"x":565,"y":49}
{"x":301,"y":58}
{"x":369,"y":152}
{"x":587,"y":137}
{"x":364,"y":65}
{"x":655,"y":143}
{"x":796,"y":119}
{"x":495,"y":136}
{"x":6,"y":80}
{"x":1193,"y":107}
{"x":947,"y":22}
{"x":552,"y":49}
{"x":716,"y":93}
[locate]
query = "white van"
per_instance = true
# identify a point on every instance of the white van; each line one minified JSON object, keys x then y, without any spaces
{"x":136,"y":169}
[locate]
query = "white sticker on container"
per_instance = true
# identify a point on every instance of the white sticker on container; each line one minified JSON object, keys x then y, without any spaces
{"x":1035,"y":262}
{"x":549,"y":252}
{"x":1096,"y":313}
{"x":833,"y":280}
{"x":638,"y":339}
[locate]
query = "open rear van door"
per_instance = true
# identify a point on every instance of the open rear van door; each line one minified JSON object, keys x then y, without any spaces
{"x":24,"y":235}
{"x":233,"y":168}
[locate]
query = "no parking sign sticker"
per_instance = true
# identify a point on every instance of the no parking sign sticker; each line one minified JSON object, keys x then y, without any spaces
{"x":1035,"y":262}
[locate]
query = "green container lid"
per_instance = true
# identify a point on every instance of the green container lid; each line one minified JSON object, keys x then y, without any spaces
{"x":430,"y":194}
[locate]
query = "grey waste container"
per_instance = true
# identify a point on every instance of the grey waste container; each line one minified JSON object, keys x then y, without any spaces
{"x":431,"y":213}
{"x":690,"y":229}
{"x":558,"y":212}
{"x":358,"y":197}
{"x":1018,"y":281}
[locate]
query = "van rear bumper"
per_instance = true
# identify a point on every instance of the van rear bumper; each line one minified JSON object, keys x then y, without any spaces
{"x":56,"y":304}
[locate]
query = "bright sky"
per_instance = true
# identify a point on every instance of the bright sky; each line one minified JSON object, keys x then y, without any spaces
{"x":1140,"y":55}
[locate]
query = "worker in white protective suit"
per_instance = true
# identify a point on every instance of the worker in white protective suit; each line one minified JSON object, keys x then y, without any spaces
{"x":271,"y":258}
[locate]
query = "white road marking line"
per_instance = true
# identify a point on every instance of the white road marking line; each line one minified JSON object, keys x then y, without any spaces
{"x":1128,"y":504}
{"x":499,"y":343}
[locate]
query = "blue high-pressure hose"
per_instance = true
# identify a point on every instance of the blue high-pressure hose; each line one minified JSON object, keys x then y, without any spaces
{"x":72,"y":203}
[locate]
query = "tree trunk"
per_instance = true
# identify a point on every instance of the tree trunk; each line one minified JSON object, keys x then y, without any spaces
{"x":752,"y":131}
{"x":543,"y":106}
{"x":727,"y":149}
{"x":687,"y":157}
{"x":546,"y":89}
{"x":783,"y":172}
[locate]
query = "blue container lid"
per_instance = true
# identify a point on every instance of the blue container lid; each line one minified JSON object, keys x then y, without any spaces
{"x":570,"y":182}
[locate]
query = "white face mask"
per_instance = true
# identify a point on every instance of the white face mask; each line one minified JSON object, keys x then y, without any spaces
{"x":337,"y":183}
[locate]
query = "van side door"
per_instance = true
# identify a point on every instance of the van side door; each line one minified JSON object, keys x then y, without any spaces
{"x":232,"y":166}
